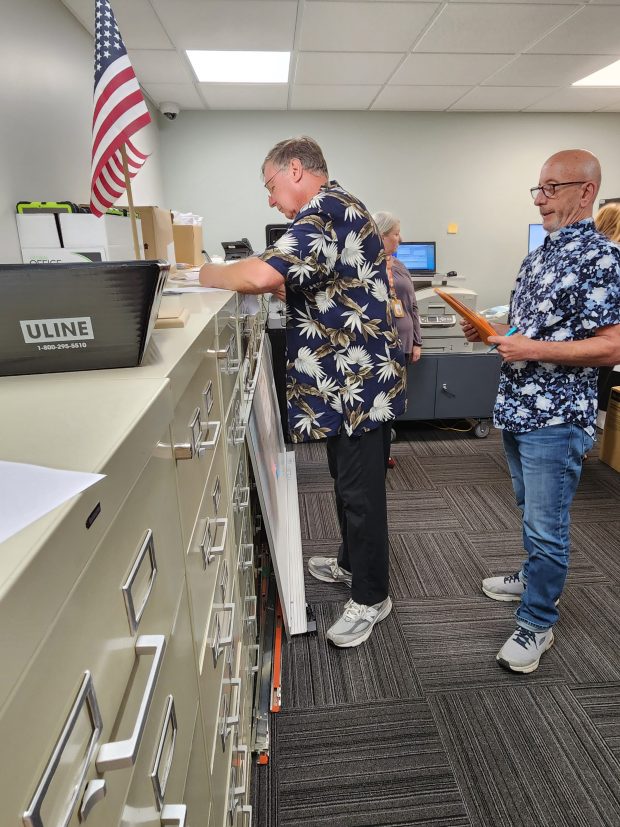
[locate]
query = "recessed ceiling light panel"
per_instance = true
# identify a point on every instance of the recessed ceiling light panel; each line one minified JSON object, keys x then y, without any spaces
{"x":608,"y":76}
{"x":240,"y":67}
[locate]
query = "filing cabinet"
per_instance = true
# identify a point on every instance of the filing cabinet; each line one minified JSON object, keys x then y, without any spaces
{"x":128,"y":648}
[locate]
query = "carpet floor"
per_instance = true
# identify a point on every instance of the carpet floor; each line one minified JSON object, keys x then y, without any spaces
{"x":419,"y":727}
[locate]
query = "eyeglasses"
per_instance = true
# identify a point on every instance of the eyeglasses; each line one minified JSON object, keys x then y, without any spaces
{"x":548,"y":190}
{"x":270,"y":191}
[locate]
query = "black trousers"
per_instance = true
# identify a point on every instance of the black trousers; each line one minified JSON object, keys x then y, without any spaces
{"x":357,"y":465}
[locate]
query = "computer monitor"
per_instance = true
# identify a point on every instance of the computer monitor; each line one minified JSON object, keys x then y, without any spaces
{"x":536,"y":236}
{"x":418,"y":257}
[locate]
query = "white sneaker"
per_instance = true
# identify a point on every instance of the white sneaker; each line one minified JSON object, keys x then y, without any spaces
{"x":506,"y":588}
{"x":522,"y":651}
{"x":328,"y":570}
{"x":356,"y":623}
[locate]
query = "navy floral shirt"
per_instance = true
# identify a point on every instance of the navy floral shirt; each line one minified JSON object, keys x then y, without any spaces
{"x":345,"y":368}
{"x":567,"y":289}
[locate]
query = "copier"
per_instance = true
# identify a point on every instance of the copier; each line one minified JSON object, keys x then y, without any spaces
{"x":440,"y":323}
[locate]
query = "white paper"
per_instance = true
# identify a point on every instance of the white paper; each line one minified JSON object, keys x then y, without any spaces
{"x":27,"y":492}
{"x":179,"y":292}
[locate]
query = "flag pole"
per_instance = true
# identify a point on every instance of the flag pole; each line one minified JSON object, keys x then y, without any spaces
{"x":132,"y":212}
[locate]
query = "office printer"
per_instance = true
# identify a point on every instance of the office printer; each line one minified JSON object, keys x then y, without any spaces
{"x":440,"y":323}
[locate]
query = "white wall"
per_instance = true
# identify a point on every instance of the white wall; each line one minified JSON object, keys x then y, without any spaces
{"x":46,"y":101}
{"x":431,"y":169}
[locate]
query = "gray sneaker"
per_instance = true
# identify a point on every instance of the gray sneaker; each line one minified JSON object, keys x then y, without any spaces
{"x":355,"y":625}
{"x":522,"y":652}
{"x":506,"y":588}
{"x":328,"y":570}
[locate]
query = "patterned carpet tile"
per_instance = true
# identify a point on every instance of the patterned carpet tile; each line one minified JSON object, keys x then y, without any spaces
{"x":599,"y":543}
{"x":434,"y":564}
{"x":529,"y":756}
{"x":318,"y":516}
{"x":453,"y":642}
{"x":454,"y":438}
{"x":408,"y":475}
{"x":593,"y":504}
{"x":463,"y":470}
{"x":420,"y":511}
{"x":502,"y":553}
{"x":314,"y":476}
{"x":367,"y":765}
{"x":310,"y":452}
{"x":481,"y":507}
{"x":601,"y":702}
{"x":316,"y":674}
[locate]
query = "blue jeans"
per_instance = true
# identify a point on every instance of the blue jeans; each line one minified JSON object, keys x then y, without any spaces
{"x":545,"y":466}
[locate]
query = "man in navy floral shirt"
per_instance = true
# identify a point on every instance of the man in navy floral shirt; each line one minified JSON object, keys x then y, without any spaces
{"x":566,"y":309}
{"x":345,"y":370}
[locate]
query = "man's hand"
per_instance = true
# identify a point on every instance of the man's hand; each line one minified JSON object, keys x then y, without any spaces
{"x":416,"y":353}
{"x":470,"y":332}
{"x":515,"y":348}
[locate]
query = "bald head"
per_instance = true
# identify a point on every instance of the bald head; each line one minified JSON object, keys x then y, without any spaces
{"x":577,"y":164}
{"x":577,"y":175}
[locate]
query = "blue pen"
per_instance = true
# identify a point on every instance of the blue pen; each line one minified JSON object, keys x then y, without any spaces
{"x":508,"y":333}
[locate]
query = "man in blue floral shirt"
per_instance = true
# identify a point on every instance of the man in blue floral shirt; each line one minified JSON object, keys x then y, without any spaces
{"x":566,"y":309}
{"x":345,"y":370}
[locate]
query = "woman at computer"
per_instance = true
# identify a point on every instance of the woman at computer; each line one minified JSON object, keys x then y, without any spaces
{"x":404,"y":304}
{"x":402,"y":294}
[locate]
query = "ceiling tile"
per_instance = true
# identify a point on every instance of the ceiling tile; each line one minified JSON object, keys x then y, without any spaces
{"x":593,"y":31}
{"x":184,"y":94}
{"x":418,"y":98}
{"x":157,"y":66}
{"x":500,"y":98}
{"x":333,"y":97}
{"x":576,"y":99}
{"x":139,"y":27}
{"x":491,"y":27}
{"x":441,"y":70}
{"x":547,"y":70}
{"x":245,"y":95}
{"x":345,"y":67}
{"x":262,"y":25}
{"x":363,"y":27}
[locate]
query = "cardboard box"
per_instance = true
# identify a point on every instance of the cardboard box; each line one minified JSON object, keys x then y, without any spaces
{"x":609,"y":452}
{"x":188,"y":244}
{"x":157,"y":234}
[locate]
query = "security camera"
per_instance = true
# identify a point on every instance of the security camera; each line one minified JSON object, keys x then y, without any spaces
{"x":169,"y":109}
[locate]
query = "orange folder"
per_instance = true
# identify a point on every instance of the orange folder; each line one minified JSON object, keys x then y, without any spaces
{"x":475,"y":319}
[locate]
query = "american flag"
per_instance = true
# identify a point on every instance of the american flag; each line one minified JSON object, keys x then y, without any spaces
{"x":119,"y":112}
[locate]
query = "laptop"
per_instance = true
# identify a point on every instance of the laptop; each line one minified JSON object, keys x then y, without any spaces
{"x":82,"y":316}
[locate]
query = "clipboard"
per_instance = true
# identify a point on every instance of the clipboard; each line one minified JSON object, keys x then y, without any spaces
{"x":475,"y":319}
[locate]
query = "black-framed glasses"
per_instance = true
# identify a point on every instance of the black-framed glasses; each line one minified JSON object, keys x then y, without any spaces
{"x":548,"y":190}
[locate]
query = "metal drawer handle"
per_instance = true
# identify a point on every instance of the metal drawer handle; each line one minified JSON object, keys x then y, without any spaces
{"x":245,"y":809}
{"x":219,"y":642}
{"x":232,"y":720}
{"x":238,"y":433}
{"x":251,"y":601}
{"x":118,"y":754}
{"x":188,"y":450}
{"x":207,"y":549}
{"x":207,"y":397}
{"x":85,"y":699}
{"x":253,"y":648}
{"x":160,"y":782}
{"x":146,"y":547}
{"x":174,"y":815}
{"x":208,"y":444}
{"x":242,"y":498}
{"x":241,"y":788}
{"x":246,"y":558}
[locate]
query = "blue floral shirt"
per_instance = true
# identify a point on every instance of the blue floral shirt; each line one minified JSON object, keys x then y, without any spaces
{"x":344,"y":363}
{"x":567,"y":289}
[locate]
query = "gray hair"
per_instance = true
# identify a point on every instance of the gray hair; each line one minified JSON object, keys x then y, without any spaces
{"x":385,"y":221}
{"x":304,"y":149}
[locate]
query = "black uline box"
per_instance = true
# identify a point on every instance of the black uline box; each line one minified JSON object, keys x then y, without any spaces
{"x":85,"y":316}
